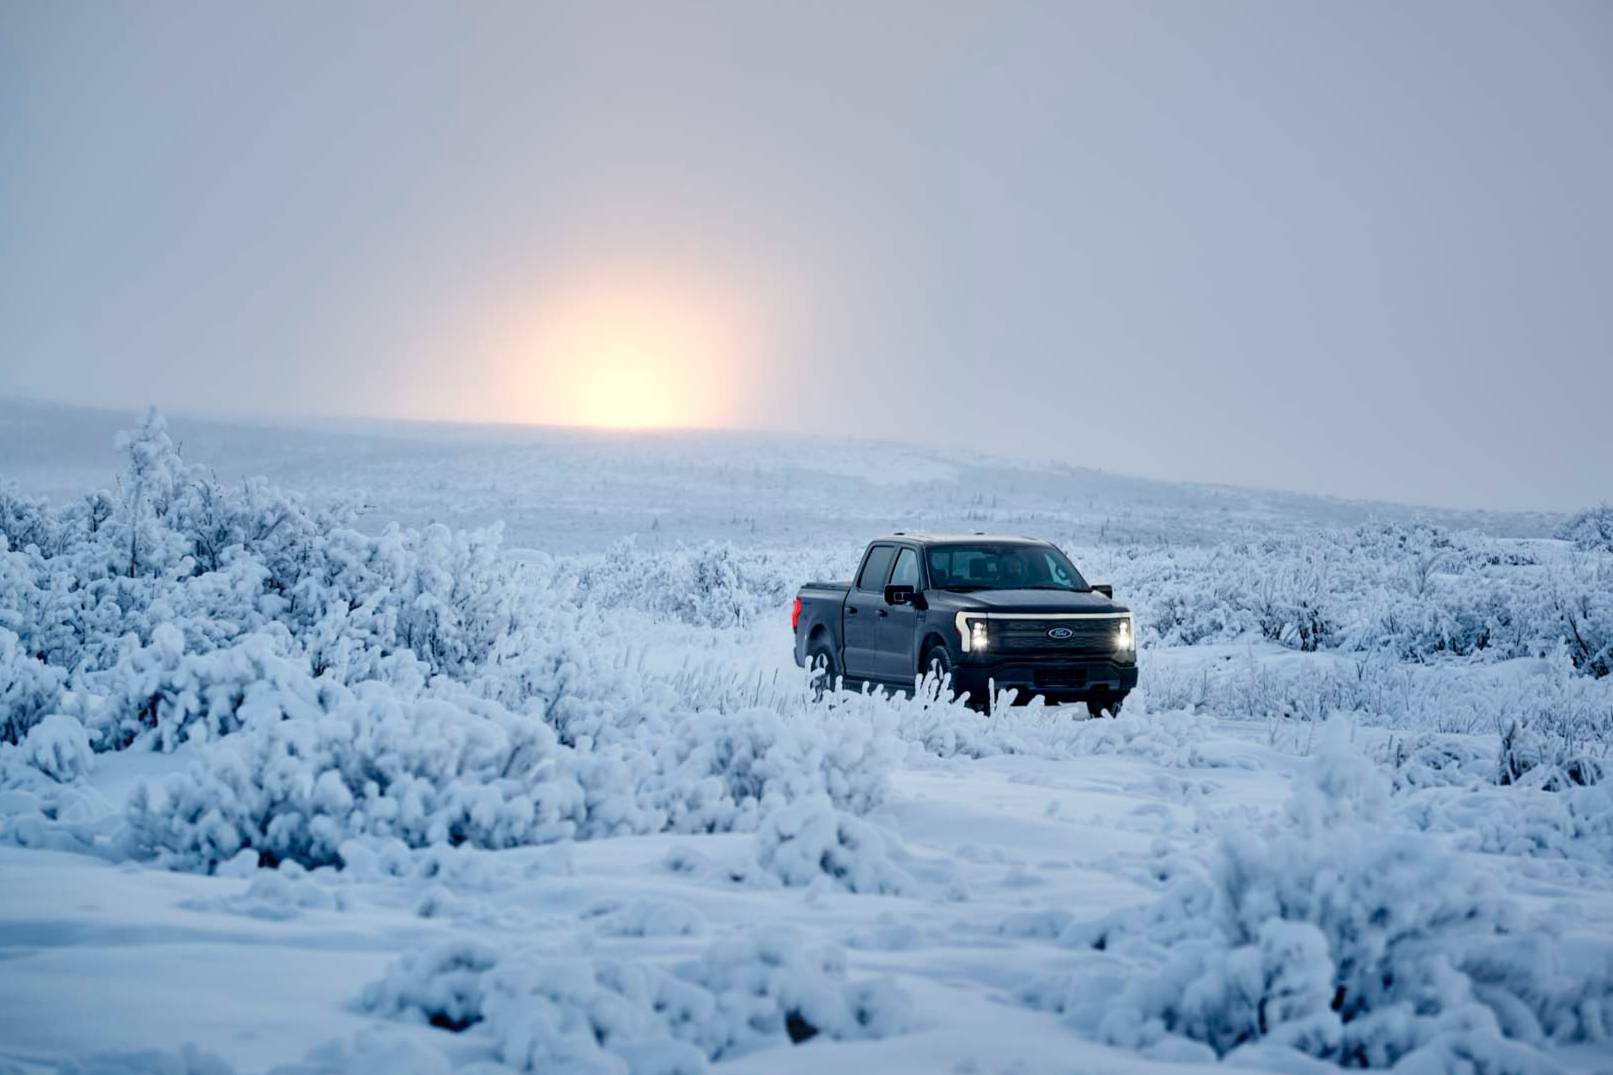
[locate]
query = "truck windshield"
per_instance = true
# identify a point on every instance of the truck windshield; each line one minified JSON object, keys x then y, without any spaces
{"x":1002,"y":567}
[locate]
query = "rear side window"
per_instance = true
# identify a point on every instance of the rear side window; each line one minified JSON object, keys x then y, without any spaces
{"x":907,"y":569}
{"x":876,"y":567}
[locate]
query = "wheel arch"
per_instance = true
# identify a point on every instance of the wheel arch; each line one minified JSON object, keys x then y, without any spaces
{"x":930,"y":640}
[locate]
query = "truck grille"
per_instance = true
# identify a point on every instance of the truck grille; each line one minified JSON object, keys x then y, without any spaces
{"x":1088,"y":637}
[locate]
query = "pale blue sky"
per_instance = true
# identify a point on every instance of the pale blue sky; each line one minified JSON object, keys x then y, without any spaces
{"x":1356,"y":248}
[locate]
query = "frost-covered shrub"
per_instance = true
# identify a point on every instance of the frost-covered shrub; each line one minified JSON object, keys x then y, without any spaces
{"x":1591,"y":529}
{"x":1322,"y":932}
{"x":1409,"y":592}
{"x":26,"y":521}
{"x":182,"y":564}
{"x":29,"y":688}
{"x":317,"y":764}
{"x":370,"y":764}
{"x":810,"y":840}
{"x":1291,"y":606}
{"x":40,"y":809}
{"x":715,"y":739}
{"x":547,"y":1014}
{"x":442,"y":985}
{"x":1582,"y":598}
{"x":710,"y":585}
{"x":160,"y":691}
{"x":1377,"y":690}
{"x":411,"y":685}
{"x":1171,"y":738}
{"x":59,"y":747}
{"x":1551,"y":753}
{"x":1430,"y":760}
{"x":1574,"y":824}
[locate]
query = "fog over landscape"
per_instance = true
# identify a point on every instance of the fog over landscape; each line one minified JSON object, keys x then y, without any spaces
{"x":1354,"y":249}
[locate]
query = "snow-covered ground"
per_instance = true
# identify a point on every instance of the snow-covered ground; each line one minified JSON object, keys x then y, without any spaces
{"x":563,"y":805}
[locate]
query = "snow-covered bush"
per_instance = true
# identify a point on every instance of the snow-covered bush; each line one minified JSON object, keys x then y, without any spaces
{"x":1429,"y":760}
{"x":1574,"y":824}
{"x":170,"y":696}
{"x":1292,"y":606}
{"x":1547,"y":693}
{"x":638,"y":1018}
{"x":1170,"y":737}
{"x":59,"y":747}
{"x":367,"y":764}
{"x":442,"y":985}
{"x":180,"y":564}
{"x":1551,"y":753}
{"x":1591,"y":529}
{"x":412,"y":684}
{"x":29,"y":688}
{"x":809,"y":840}
{"x":1582,"y":598}
{"x":1327,"y":932}
{"x":1407,"y":592}
{"x":316,"y":763}
{"x":710,"y":585}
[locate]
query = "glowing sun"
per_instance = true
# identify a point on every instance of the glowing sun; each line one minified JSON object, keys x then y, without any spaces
{"x":626,"y":355}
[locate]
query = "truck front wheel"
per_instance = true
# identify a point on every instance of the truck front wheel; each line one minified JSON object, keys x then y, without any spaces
{"x":937,"y":666}
{"x":1097,"y":706}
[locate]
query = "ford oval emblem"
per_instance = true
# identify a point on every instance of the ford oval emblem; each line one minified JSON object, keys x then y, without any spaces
{"x":1060,"y":633}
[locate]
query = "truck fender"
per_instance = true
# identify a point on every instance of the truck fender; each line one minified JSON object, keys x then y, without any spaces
{"x":930,"y":640}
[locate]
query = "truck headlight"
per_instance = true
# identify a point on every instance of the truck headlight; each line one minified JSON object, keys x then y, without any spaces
{"x":1126,"y":641}
{"x":972,"y":636}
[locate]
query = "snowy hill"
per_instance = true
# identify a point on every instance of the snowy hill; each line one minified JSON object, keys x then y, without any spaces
{"x":567,"y":490}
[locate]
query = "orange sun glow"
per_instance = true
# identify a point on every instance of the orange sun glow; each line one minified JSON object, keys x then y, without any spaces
{"x":623,"y":355}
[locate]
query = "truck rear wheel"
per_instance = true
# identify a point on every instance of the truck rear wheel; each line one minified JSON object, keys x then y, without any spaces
{"x":821,"y":662}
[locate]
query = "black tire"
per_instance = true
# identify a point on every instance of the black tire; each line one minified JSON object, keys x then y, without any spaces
{"x":820,"y":657}
{"x":937,"y":662}
{"x":1098,"y":706}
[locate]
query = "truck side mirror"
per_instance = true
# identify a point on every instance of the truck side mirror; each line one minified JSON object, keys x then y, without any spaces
{"x":1105,"y":589}
{"x":899,"y":595}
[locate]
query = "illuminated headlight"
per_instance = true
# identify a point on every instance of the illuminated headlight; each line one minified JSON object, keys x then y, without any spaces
{"x":1125,"y":641}
{"x":971,"y":634}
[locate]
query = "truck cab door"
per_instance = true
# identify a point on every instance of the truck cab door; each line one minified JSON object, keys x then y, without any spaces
{"x":898,"y":627}
{"x":865,"y":610}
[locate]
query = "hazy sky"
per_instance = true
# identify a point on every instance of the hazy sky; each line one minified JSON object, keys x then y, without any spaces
{"x":1358,"y":248}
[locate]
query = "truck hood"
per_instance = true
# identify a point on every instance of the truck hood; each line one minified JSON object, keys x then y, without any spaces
{"x":1022,"y":601}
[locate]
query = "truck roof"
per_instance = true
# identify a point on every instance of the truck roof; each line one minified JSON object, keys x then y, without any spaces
{"x":917,"y":537}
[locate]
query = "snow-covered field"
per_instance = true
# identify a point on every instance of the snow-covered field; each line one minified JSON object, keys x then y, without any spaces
{"x":285,"y":788}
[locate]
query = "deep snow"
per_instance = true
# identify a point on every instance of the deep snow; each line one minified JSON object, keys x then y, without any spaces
{"x":907,"y":888}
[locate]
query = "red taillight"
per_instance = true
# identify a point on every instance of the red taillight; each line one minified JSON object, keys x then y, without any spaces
{"x":795,"y":614}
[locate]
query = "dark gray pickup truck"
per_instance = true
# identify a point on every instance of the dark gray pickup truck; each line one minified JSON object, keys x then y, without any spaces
{"x":992,"y":612}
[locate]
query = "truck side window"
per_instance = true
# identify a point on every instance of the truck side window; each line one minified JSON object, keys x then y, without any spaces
{"x":907,"y":569}
{"x":876,"y":567}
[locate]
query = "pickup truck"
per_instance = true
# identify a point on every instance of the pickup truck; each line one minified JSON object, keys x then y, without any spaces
{"x":990,"y":612}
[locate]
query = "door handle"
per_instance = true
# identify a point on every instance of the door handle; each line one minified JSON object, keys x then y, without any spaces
{"x":883,"y":613}
{"x":851,"y":610}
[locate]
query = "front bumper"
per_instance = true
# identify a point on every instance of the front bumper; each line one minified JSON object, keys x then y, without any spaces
{"x":1064,"y":679}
